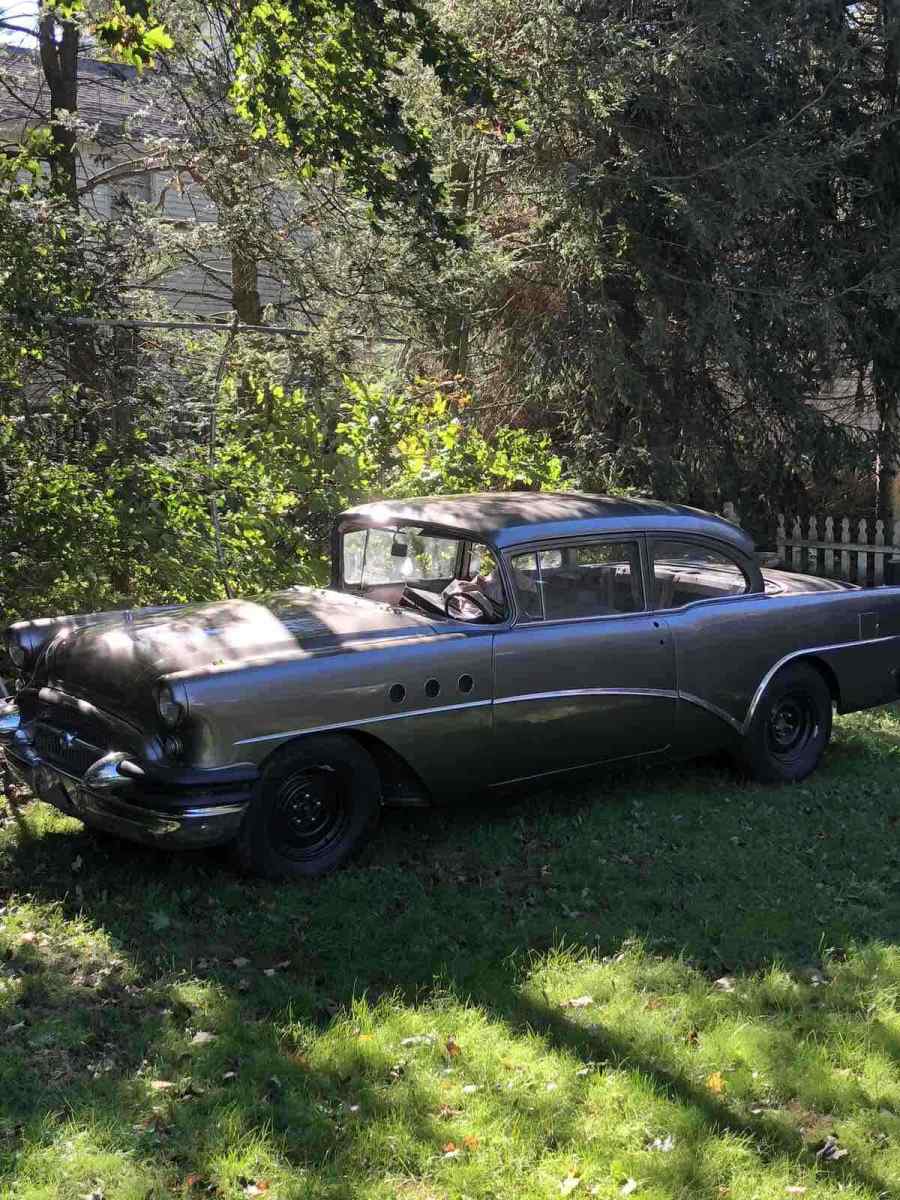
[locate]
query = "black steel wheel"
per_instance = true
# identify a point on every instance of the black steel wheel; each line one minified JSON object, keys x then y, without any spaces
{"x":319,"y":801}
{"x":791,"y":726}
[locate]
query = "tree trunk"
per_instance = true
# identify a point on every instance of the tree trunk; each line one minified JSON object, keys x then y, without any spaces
{"x":58,"y":43}
{"x":456,"y":327}
{"x":245,"y":287}
{"x":887,"y":460}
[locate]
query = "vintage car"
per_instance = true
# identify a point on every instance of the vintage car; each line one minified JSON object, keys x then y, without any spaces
{"x":465,"y":642}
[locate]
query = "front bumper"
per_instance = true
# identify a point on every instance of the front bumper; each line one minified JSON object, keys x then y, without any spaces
{"x":184,"y":808}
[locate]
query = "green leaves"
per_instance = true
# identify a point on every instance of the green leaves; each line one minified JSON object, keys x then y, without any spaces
{"x":317,"y":79}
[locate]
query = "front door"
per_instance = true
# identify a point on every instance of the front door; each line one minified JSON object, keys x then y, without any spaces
{"x":586,"y":675}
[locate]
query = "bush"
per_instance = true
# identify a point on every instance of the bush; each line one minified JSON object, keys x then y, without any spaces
{"x":127,"y":527}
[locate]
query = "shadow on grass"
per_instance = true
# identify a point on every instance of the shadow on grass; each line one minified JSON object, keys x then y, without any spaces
{"x":688,"y":861}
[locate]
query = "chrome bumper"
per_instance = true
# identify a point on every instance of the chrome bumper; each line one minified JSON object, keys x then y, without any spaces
{"x":181,"y":808}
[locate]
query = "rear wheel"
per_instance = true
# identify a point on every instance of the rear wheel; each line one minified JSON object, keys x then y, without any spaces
{"x":319,"y":802}
{"x":790,"y":728}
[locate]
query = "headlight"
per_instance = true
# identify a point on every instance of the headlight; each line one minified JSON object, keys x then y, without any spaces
{"x":170,"y":711}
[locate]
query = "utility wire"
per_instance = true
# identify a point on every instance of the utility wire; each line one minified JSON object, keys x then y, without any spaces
{"x":282,"y":330}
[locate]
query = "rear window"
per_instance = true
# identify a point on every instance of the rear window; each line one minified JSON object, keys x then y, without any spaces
{"x":687,"y":571}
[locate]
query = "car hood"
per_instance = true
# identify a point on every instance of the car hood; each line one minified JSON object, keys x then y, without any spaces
{"x":116,"y":663}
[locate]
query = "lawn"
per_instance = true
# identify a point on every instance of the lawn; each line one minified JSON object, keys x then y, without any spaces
{"x":659,"y":984}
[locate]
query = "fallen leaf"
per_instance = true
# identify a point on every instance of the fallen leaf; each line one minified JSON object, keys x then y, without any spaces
{"x":716,"y":1082}
{"x":257,"y":1189}
{"x":470,"y":1088}
{"x":418,"y":1039}
{"x":229,"y":1076}
{"x":366,"y":1037}
{"x":192,"y":1181}
{"x":451,"y":1150}
{"x":796,"y":1189}
{"x":161,"y":1085}
{"x":202,"y":1038}
{"x":663,"y":1144}
{"x":27,"y":938}
{"x":629,"y":1186}
{"x":569,"y":1184}
{"x":470,"y":1141}
{"x":453,"y":1047}
{"x":725,"y":983}
{"x":654,"y":1002}
{"x":830,"y":1151}
{"x":578,"y":1002}
{"x":240,"y":962}
{"x":445,"y":1112}
{"x":14,"y":1028}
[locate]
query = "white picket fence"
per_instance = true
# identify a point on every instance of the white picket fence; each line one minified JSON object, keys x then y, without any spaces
{"x":833,"y":548}
{"x":839,"y":552}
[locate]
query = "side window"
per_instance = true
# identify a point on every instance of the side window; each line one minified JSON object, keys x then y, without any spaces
{"x":593,"y":580}
{"x":687,"y":571}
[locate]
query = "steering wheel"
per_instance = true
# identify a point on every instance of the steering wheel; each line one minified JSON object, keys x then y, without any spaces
{"x":469,"y":606}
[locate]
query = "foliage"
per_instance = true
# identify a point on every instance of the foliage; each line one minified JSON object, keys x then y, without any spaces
{"x":319,"y":77}
{"x":126,"y":526}
{"x":406,"y":1028}
{"x":41,"y":271}
{"x":687,"y":264}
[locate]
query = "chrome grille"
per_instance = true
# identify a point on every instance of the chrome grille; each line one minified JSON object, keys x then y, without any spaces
{"x":65,"y":750}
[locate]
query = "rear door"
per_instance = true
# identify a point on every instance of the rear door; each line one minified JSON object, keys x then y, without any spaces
{"x":586,"y":674}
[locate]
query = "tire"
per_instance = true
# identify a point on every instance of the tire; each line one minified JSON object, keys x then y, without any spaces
{"x":319,"y":802}
{"x":790,"y":728}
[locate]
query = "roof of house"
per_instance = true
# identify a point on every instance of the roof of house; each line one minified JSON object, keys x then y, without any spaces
{"x":508,"y":518}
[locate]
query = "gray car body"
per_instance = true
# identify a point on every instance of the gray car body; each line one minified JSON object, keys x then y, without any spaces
{"x":482,"y":705}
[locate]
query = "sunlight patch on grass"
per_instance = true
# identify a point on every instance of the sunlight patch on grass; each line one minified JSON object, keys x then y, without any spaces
{"x":660,"y":985}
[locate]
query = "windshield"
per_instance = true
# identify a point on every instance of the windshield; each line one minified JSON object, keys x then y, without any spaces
{"x":373,"y":556}
{"x":400,"y":563}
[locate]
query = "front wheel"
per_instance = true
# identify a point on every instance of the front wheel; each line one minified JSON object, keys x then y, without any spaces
{"x":790,"y":728}
{"x":319,"y":801}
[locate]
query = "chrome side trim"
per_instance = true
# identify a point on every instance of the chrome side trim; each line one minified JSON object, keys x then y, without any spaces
{"x":689,"y":698}
{"x":415,"y":712}
{"x":583,"y":767}
{"x":741,"y":727}
{"x":767,"y":678}
{"x":661,"y":693}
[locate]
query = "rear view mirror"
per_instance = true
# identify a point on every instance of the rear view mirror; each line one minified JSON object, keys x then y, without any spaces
{"x":399,"y":549}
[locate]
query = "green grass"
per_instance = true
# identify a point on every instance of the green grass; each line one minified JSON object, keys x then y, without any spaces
{"x":469,"y":930}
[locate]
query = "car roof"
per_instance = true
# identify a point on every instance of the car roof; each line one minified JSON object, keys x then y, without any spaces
{"x":507,"y":519}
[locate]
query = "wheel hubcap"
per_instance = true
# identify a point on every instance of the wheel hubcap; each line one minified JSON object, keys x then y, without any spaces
{"x":308,"y":812}
{"x":791,"y":726}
